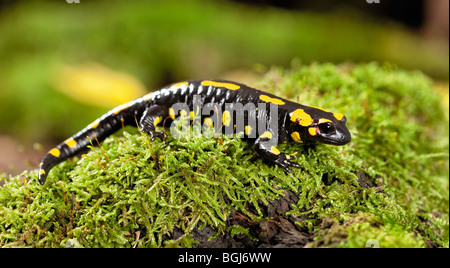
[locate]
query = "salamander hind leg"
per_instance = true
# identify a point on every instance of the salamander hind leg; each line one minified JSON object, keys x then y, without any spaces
{"x":151,"y":117}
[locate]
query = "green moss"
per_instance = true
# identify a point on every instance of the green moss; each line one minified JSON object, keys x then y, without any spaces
{"x":131,"y":192}
{"x":392,"y":236}
{"x":363,"y":230}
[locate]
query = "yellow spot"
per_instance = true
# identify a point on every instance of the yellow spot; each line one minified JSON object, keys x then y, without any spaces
{"x":183,"y":113}
{"x":266,"y":134}
{"x":248,"y":130}
{"x":172,"y":113}
{"x":272,"y":100}
{"x":274,"y":150}
{"x":178,"y":85}
{"x":208,"y":122}
{"x":220,"y":84}
{"x":339,"y":116}
{"x":41,"y":164}
{"x":226,"y":118}
{"x":193,"y":115}
{"x":323,"y":120}
{"x":288,"y":157}
{"x":312,"y":131}
{"x":147,"y":97}
{"x":296,"y":137}
{"x":120,"y":108}
{"x":55,"y":152}
{"x":157,"y":120}
{"x":71,"y":143}
{"x":42,"y":172}
{"x":301,"y":117}
{"x":94,"y":124}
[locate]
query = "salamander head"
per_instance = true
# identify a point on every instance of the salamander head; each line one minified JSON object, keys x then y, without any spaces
{"x":312,"y":124}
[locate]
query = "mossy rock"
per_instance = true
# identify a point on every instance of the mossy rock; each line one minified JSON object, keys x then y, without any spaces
{"x":388,"y":187}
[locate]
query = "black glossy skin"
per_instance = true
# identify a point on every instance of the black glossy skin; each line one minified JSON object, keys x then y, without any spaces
{"x":312,"y":124}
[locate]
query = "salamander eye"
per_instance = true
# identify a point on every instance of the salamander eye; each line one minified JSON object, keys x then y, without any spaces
{"x":327,"y":128}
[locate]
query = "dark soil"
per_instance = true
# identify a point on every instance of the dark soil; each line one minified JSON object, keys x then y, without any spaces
{"x":277,"y":231}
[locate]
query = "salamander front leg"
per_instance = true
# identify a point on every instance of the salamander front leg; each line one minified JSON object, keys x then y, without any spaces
{"x":265,"y":146}
{"x":151,"y":118}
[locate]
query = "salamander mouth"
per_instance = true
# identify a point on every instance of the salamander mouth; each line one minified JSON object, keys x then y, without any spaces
{"x":340,"y":138}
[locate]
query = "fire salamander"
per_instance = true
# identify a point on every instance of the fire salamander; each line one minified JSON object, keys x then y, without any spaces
{"x":263,"y":118}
